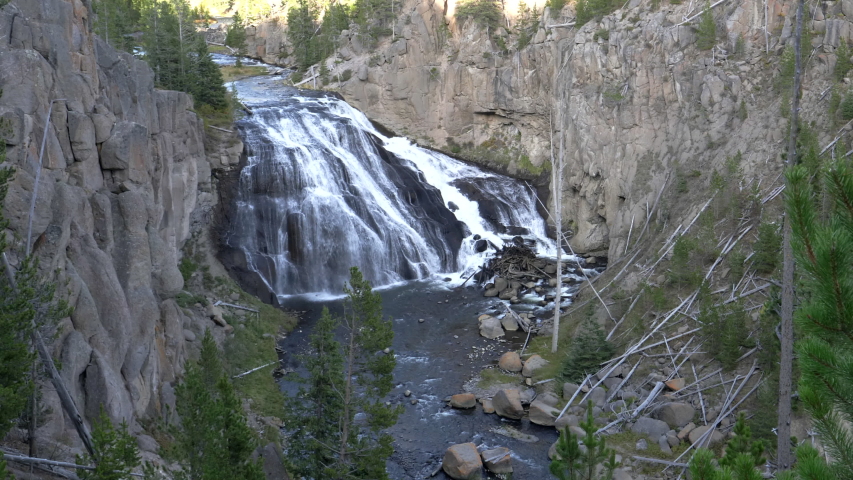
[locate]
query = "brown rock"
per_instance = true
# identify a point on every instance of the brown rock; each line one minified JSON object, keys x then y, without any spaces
{"x":542,"y":414}
{"x":487,"y":406}
{"x":696,"y":433}
{"x":463,"y":400}
{"x":511,"y":362}
{"x":462,"y":462}
{"x":535,"y":362}
{"x":682,"y":434}
{"x":675,"y":384}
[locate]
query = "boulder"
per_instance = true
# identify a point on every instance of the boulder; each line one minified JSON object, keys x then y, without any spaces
{"x":462,"y":462}
{"x":663,"y":443}
{"x":535,"y":362}
{"x":487,"y":406}
{"x":642,"y":444}
{"x":491,"y":328}
{"x":650,"y":427}
{"x":511,"y":362}
{"x":682,"y":434}
{"x":675,"y":384}
{"x":509,"y":323}
{"x":463,"y":400}
{"x":507,"y":404}
{"x":491,"y":292}
{"x":566,"y":420}
{"x":548,"y":398}
{"x":498,"y":460}
{"x":696,"y":433}
{"x":598,"y":396}
{"x":542,"y":414}
{"x":215,"y":313}
{"x":501,"y":284}
{"x":676,"y":415}
{"x":569,"y":389}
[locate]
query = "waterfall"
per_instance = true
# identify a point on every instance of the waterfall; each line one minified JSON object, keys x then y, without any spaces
{"x":323,"y":190}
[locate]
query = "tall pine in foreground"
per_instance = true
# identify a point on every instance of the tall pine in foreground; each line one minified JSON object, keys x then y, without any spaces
{"x":214,"y":441}
{"x":823,"y":244}
{"x":346,"y":379}
{"x":593,"y":462}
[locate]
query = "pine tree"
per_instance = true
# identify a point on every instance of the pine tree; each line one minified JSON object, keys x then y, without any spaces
{"x":235,"y":37}
{"x":117,"y":452}
{"x":115,"y":21}
{"x":214,"y":441}
{"x":823,"y":245}
{"x":842,"y":63}
{"x":319,"y":403}
{"x":594,"y":462}
{"x":706,"y":35}
{"x":742,"y":444}
{"x":346,"y":380}
{"x":587,"y":351}
{"x":301,"y":31}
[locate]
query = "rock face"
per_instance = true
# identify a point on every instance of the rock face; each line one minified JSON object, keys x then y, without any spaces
{"x":124,"y":171}
{"x":643,"y":100}
{"x":462,"y":462}
{"x":507,"y":404}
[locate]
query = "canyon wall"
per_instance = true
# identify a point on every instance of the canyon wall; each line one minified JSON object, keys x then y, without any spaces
{"x":636,"y":106}
{"x":123,"y":178}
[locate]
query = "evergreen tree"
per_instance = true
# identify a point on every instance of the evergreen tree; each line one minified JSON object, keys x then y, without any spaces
{"x":319,"y":403}
{"x":214,"y":441}
{"x":842,"y":63}
{"x":117,"y":452}
{"x":587,"y":351}
{"x":594,"y":462}
{"x":302,"y":30}
{"x":823,"y":242}
{"x":235,"y":37}
{"x":115,"y":21}
{"x":706,"y":34}
{"x":346,"y":380}
{"x":742,"y":444}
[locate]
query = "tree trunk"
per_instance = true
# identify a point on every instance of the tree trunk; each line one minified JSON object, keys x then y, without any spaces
{"x":557,"y":169}
{"x":348,"y":392}
{"x":784,"y":458}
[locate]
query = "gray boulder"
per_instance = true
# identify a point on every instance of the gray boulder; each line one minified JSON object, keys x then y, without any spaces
{"x":498,"y":460}
{"x":566,"y":420}
{"x":462,"y":462}
{"x":507,"y":404}
{"x":491,"y":328}
{"x":548,"y":398}
{"x":650,"y":427}
{"x":663,"y":443}
{"x":598,"y":396}
{"x":676,"y":415}
{"x":696,"y":433}
{"x":569,"y":389}
{"x":535,"y":362}
{"x":542,"y":414}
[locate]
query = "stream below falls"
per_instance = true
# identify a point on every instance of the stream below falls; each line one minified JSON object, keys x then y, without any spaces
{"x":323,"y":190}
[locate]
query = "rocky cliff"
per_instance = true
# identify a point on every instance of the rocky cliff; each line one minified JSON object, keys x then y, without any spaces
{"x":123,"y":176}
{"x":630,"y":97}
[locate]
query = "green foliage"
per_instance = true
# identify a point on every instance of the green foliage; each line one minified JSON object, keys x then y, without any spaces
{"x":346,"y":75}
{"x":846,"y":107}
{"x":555,"y":6}
{"x":594,"y":462}
{"x":22,"y":310}
{"x":742,"y":444}
{"x":586,"y":352}
{"x":785,"y":81}
{"x":587,"y":10}
{"x":767,"y":248}
{"x":724,"y":328}
{"x":115,"y":21}
{"x":740,"y":45}
{"x":178,"y":53}
{"x":486,"y":13}
{"x":235,"y":37}
{"x":214,"y":441}
{"x":527,"y":23}
{"x":823,"y":242}
{"x":187,"y":267}
{"x":117,"y":452}
{"x":742,"y":112}
{"x":345,"y":381}
{"x":842,"y":63}
{"x":375,"y":19}
{"x":682,"y":271}
{"x":706,"y":31}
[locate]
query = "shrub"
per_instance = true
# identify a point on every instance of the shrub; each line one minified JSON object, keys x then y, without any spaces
{"x":767,"y":248}
{"x":346,"y":75}
{"x":706,"y":35}
{"x":556,"y":7}
{"x":187,"y":267}
{"x":486,"y":13}
{"x":842,"y":64}
{"x":846,"y":107}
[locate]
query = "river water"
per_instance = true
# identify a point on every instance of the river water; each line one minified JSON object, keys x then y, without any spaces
{"x":324,"y":190}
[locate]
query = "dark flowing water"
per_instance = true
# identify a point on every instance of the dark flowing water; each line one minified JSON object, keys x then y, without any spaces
{"x":323,"y":190}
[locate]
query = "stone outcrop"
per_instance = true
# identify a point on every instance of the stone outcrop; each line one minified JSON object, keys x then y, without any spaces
{"x":507,"y":404}
{"x":123,"y":175}
{"x":462,"y":462}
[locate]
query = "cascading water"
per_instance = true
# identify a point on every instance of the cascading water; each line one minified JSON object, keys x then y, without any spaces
{"x":323,"y":190}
